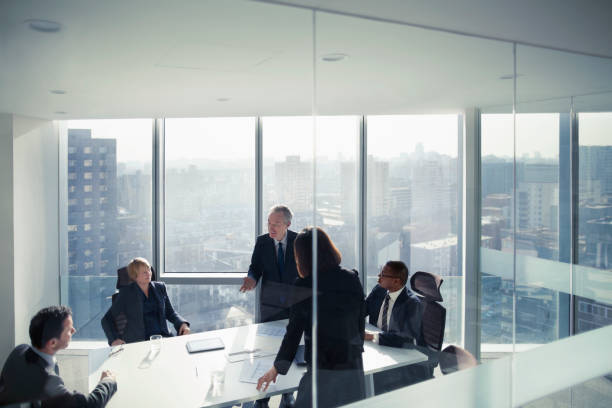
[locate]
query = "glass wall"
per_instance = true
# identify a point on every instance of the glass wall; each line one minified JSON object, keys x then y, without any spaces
{"x":413,"y":202}
{"x":373,"y":151}
{"x":594,"y":226}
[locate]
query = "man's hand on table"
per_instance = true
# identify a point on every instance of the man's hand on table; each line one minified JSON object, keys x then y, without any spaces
{"x":248,"y":284}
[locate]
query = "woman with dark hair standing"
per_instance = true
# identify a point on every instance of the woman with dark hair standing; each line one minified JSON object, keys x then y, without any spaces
{"x":341,"y":312}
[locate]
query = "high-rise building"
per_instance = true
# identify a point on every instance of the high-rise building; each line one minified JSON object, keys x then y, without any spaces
{"x":92,"y":228}
{"x":92,"y":204}
{"x":294,"y":183}
{"x":378,"y":187}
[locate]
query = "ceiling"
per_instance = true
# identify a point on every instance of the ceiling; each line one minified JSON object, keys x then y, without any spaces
{"x":157,"y":58}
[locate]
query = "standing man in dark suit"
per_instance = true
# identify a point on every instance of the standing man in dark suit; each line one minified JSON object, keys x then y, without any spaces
{"x":397,"y":312}
{"x":273,"y":262}
{"x":30,"y":374}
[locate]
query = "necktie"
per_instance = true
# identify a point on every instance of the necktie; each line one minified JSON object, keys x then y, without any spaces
{"x":281,"y":259}
{"x":56,"y":369}
{"x":385,"y":312}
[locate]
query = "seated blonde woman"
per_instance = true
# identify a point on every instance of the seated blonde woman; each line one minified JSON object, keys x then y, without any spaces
{"x":144,"y":306}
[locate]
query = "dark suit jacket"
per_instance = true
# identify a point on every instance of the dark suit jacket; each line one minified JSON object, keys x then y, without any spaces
{"x":341,"y":322}
{"x":128,"y":306}
{"x":26,"y":377}
{"x":405,"y":327}
{"x":405,"y":322}
{"x":275,"y":289}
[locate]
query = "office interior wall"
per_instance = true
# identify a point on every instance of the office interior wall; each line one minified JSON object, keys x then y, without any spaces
{"x":36,"y":203}
{"x":7,"y":315}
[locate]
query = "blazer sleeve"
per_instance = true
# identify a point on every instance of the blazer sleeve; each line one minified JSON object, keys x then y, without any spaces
{"x":256,"y":267}
{"x":108,"y":325}
{"x":63,"y":398}
{"x":298,"y":319}
{"x":410,"y":331}
{"x":110,"y":319}
{"x":171,"y":315}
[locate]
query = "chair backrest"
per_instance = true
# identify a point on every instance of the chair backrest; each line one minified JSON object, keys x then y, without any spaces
{"x":123,"y":278}
{"x":427,"y":285}
{"x":455,"y":358}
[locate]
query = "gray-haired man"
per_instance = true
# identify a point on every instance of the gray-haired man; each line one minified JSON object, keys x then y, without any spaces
{"x":274,"y":264}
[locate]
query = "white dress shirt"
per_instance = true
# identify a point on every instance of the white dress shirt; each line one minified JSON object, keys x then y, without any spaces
{"x":49,"y":359}
{"x":393,"y":297}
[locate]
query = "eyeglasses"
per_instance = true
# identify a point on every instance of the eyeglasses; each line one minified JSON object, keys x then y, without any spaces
{"x":382,"y":275}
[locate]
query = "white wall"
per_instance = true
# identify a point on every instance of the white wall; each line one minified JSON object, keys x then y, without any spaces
{"x":7,"y":315}
{"x":36,"y":221}
{"x":29,"y":226}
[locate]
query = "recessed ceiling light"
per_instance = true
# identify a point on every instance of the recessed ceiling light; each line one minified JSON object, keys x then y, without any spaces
{"x":60,"y":112}
{"x":57,"y":91}
{"x":43,"y":26}
{"x":223,"y":99}
{"x":334,"y":57}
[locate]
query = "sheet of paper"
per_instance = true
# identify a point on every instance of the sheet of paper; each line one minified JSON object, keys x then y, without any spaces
{"x":253,"y":369}
{"x":271,"y":331}
{"x":235,"y":357}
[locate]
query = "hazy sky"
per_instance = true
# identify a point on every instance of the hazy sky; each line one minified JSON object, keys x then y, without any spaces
{"x":337,"y":137}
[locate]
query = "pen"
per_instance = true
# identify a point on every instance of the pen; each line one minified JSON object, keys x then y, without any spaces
{"x":243,"y":352}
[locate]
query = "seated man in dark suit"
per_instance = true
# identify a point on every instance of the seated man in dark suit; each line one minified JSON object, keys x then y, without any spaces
{"x":30,"y":373}
{"x":143,"y":307}
{"x":397,"y":312}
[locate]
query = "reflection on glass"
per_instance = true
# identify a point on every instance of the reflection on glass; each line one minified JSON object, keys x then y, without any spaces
{"x":212,"y":307}
{"x":538,"y":226}
{"x":497,"y":237}
{"x":594,"y":213}
{"x":109,"y":212}
{"x":209,"y":194}
{"x":287,"y":175}
{"x":412,"y":202}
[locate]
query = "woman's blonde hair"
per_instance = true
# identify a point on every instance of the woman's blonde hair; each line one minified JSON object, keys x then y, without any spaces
{"x":133,"y":266}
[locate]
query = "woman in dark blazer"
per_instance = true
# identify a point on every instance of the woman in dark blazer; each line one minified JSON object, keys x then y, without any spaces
{"x":141,"y":309}
{"x":341,"y":321}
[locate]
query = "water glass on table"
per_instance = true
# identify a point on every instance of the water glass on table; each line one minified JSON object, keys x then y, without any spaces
{"x":155,"y":343}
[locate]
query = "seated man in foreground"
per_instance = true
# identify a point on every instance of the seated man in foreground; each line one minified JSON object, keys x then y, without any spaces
{"x":395,"y":310}
{"x":31,"y":372}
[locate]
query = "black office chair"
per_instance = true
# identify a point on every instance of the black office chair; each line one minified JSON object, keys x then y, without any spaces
{"x":455,"y":358}
{"x":123,"y":279}
{"x":427,"y":286}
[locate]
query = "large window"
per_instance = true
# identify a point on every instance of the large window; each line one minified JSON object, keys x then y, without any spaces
{"x":209,"y":194}
{"x":288,"y":173}
{"x":109,"y":210}
{"x":412,"y":202}
{"x":210,"y":198}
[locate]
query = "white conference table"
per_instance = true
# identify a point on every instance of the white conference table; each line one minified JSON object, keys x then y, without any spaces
{"x":173,"y":377}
